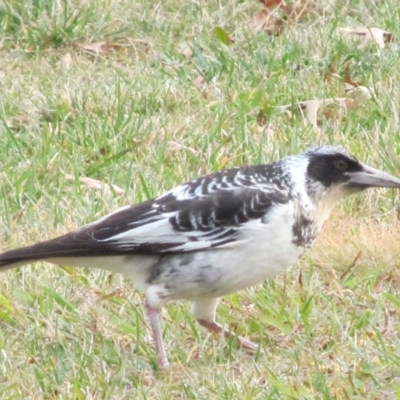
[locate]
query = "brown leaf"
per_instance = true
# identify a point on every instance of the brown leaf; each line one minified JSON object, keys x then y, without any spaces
{"x":341,"y":71}
{"x":100,"y":48}
{"x":323,"y":342}
{"x":351,"y":104}
{"x":331,"y":71}
{"x":273,"y":21}
{"x":347,"y":76}
{"x":301,"y":9}
{"x":96,"y":184}
{"x":310,"y":108}
{"x":18,"y":122}
{"x":259,"y":20}
{"x":380,"y":36}
{"x":271,"y":3}
{"x":148,"y":378}
{"x":175,"y":146}
{"x":65,"y":62}
{"x":264,"y":21}
{"x":199,"y":81}
{"x":358,"y":93}
{"x":185,"y":50}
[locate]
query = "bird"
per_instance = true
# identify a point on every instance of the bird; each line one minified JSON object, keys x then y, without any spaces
{"x":214,"y":235}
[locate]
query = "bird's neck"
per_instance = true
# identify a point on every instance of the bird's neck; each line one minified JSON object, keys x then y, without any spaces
{"x":316,"y":209}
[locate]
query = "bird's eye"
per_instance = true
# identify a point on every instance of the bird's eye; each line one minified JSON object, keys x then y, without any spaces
{"x":341,"y":165}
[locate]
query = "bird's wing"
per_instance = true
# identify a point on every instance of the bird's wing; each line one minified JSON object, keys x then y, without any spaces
{"x":206,"y":213}
{"x":184,"y":220}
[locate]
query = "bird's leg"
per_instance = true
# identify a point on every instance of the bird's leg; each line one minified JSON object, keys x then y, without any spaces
{"x":204,"y":311}
{"x":153,"y":314}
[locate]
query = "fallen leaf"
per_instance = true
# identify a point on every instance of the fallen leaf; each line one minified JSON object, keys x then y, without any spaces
{"x":323,"y":342}
{"x":264,"y":21}
{"x":148,"y":378}
{"x":340,"y":71}
{"x":199,"y":81}
{"x":175,"y":146}
{"x":65,"y":62}
{"x":359,"y":92}
{"x":222,"y":35}
{"x":378,"y":35}
{"x":96,"y":184}
{"x":18,"y":122}
{"x":259,"y":20}
{"x":309,"y":109}
{"x":301,"y":9}
{"x":347,"y":76}
{"x":185,"y":50}
{"x":271,"y":3}
{"x":331,"y":71}
{"x":100,"y":48}
{"x":273,"y":22}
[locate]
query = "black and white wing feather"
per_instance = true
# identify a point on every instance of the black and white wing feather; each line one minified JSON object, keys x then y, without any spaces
{"x":205,"y":213}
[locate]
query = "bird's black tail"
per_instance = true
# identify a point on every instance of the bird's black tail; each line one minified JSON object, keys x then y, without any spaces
{"x":23,"y":255}
{"x":63,"y":247}
{"x":67,"y":248}
{"x":12,"y":259}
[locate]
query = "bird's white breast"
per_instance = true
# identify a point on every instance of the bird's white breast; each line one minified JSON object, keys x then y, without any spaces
{"x":263,"y":251}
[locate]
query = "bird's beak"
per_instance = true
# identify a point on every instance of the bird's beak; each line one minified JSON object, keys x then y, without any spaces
{"x":372,"y":177}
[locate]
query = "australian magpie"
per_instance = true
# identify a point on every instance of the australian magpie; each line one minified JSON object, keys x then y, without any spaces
{"x":214,"y":235}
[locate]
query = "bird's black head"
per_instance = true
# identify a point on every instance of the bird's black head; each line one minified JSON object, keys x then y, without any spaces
{"x":333,"y":169}
{"x":330,"y":166}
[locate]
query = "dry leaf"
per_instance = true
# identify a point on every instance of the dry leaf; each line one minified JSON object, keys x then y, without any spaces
{"x":175,"y":146}
{"x":271,"y":3}
{"x":18,"y":122}
{"x":310,"y":108}
{"x":186,"y":51}
{"x":100,"y":48}
{"x":331,"y":71}
{"x":259,"y":20}
{"x":351,"y":104}
{"x":347,"y":76}
{"x":199,"y":81}
{"x":359,"y":92}
{"x":148,"y":378}
{"x":323,"y":342}
{"x":380,"y":36}
{"x":301,"y":9}
{"x":96,"y":184}
{"x":264,"y":21}
{"x":273,"y":21}
{"x":341,"y":72}
{"x":65,"y":62}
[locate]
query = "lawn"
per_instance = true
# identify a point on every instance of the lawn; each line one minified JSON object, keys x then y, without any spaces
{"x":141,"y":96}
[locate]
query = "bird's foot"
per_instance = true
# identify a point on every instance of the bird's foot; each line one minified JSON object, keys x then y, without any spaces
{"x":217,"y":328}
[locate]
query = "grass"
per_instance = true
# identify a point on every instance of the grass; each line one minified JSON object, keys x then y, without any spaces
{"x":134,"y":117}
